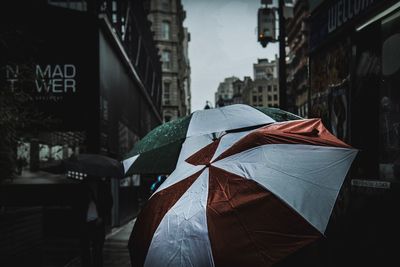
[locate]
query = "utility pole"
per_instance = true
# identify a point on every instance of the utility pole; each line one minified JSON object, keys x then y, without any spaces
{"x":266,"y":34}
{"x":282,"y":56}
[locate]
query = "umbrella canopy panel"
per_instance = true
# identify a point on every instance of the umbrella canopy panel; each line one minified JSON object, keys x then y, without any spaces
{"x":226,"y":118}
{"x":162,"y":162}
{"x":167,"y":133}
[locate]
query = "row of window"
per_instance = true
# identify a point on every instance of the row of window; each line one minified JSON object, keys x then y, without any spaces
{"x":166,"y":96}
{"x":269,"y":105}
{"x":302,"y":111}
{"x":166,"y":5}
{"x":269,"y":88}
{"x":263,"y":75}
{"x":260,"y":98}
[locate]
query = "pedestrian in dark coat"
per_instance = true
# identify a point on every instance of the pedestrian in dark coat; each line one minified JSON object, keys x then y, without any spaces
{"x":96,"y":207}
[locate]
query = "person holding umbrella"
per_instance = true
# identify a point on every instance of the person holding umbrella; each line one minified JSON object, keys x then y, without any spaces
{"x":96,"y":201}
{"x":97,"y":204}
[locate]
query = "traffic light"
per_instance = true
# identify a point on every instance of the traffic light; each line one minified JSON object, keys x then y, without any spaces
{"x":266,"y":26}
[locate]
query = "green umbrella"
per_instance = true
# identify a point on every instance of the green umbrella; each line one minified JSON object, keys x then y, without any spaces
{"x":158,"y":151}
{"x":279,"y":114}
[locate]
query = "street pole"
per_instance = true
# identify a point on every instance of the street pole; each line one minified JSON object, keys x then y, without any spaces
{"x":282,"y":57}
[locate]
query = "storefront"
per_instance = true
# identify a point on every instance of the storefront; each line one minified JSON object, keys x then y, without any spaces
{"x":90,"y":97}
{"x":355,"y":69}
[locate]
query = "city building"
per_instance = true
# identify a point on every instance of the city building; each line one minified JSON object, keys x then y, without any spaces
{"x":354,"y":80}
{"x":224,"y":93}
{"x":353,"y":77}
{"x":263,"y":91}
{"x":93,"y":69}
{"x":172,"y":40}
{"x":297,"y":58}
{"x":187,"y":96}
{"x":260,"y":93}
{"x":265,"y":69}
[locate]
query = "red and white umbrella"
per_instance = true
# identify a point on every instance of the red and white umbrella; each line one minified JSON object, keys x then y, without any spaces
{"x":247,"y":199}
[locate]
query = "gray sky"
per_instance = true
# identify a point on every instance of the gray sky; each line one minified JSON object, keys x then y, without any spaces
{"x":223,"y":43}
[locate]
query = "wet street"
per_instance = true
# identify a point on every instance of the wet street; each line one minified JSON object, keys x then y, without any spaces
{"x":115,"y":248}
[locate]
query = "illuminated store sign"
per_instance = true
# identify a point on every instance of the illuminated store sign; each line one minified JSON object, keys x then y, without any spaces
{"x":342,"y":11}
{"x":49,"y":79}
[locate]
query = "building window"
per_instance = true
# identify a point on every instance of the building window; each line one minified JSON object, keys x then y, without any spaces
{"x":254,"y":99}
{"x":389,"y":99}
{"x":167,"y":95}
{"x":166,"y":59}
{"x":104,"y":107}
{"x":260,"y":98}
{"x":165,"y":30}
{"x":269,"y":88}
{"x":114,"y":11}
{"x":167,"y":118}
{"x":166,"y":5}
{"x":153,"y":83}
{"x":275,"y":97}
{"x":275,"y":88}
{"x":260,"y":89}
{"x":269,"y":98}
{"x":79,"y":5}
{"x":259,"y":74}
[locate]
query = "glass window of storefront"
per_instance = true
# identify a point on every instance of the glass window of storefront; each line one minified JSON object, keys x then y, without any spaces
{"x":389,"y":108}
{"x":376,"y":98}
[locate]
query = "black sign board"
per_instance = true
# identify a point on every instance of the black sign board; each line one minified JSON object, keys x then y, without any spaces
{"x":333,"y":15}
{"x":52,"y":55}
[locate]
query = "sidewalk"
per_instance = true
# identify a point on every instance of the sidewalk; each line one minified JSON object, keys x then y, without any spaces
{"x":115,"y":248}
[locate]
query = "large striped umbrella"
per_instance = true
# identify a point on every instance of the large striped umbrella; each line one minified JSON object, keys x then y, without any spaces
{"x":159,"y":150}
{"x":247,"y":199}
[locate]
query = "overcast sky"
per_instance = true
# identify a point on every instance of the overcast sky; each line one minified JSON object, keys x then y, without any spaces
{"x":223,"y":43}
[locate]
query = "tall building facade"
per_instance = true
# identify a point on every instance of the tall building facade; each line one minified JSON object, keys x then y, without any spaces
{"x":297,"y":64}
{"x":355,"y":74}
{"x":263,"y":91}
{"x":224,"y":93}
{"x":102,"y":61}
{"x":265,"y":69}
{"x":172,"y":40}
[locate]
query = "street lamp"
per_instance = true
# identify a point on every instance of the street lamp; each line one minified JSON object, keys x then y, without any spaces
{"x":282,"y":56}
